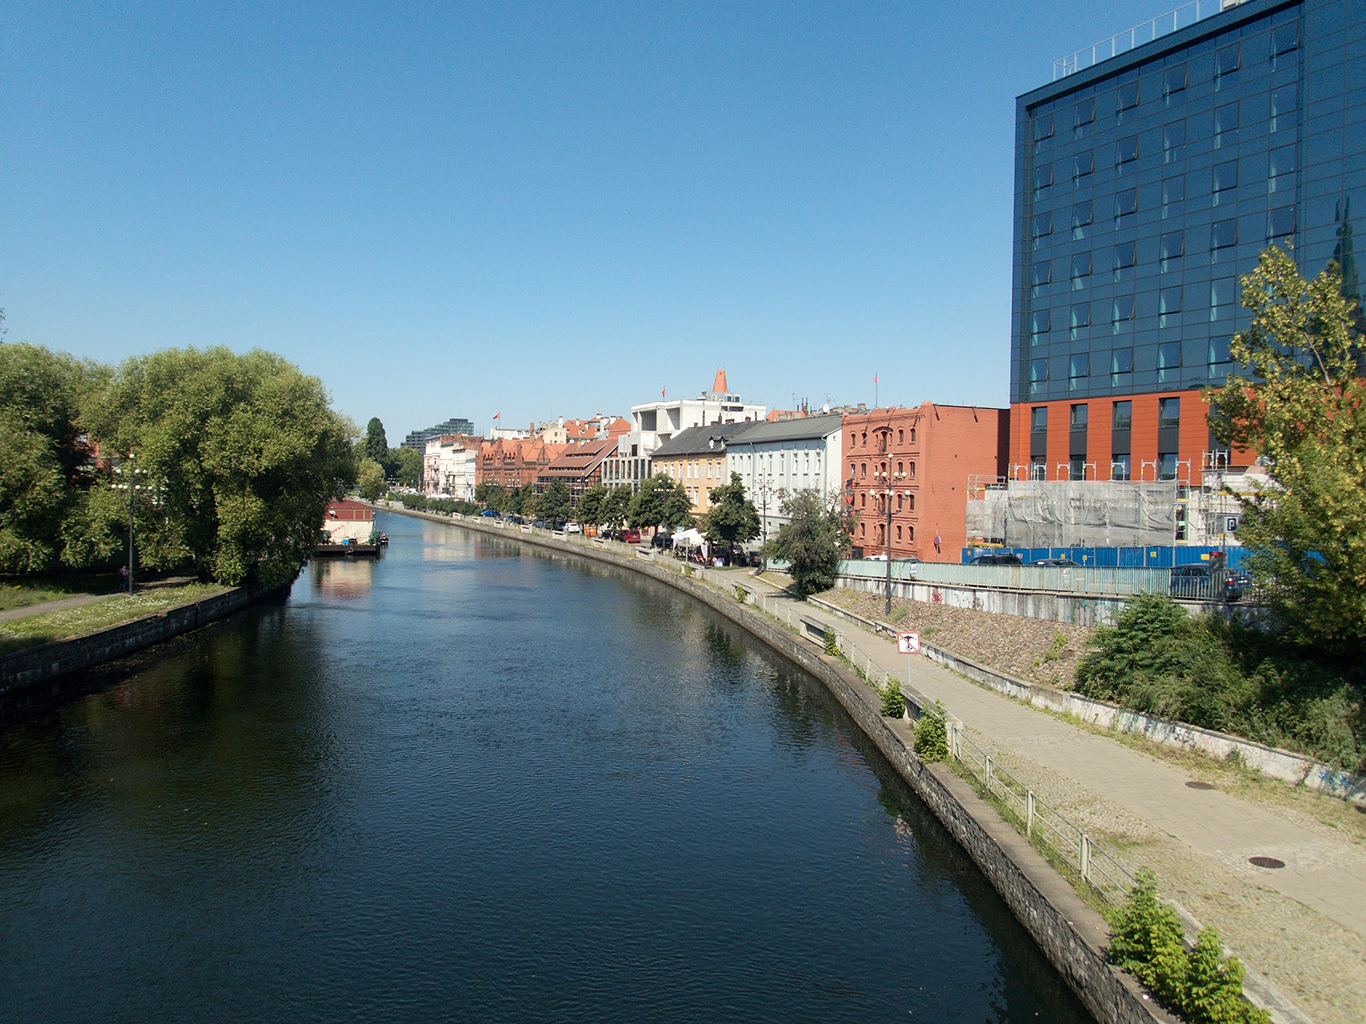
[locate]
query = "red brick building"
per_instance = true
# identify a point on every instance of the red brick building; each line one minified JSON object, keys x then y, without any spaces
{"x":579,"y":467}
{"x":924,"y":456}
{"x":513,"y":462}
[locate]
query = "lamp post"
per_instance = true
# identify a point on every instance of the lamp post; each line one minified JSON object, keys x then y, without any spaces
{"x":131,"y":485}
{"x":889,"y":480}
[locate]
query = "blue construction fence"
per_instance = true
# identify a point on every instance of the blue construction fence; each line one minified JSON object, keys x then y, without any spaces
{"x":1120,"y":558}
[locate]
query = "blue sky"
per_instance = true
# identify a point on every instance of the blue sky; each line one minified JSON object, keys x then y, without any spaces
{"x":539,"y":209}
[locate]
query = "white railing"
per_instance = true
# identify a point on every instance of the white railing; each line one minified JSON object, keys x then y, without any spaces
{"x":1131,"y":39}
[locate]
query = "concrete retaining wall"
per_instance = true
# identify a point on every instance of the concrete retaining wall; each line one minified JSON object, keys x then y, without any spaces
{"x":1070,"y":933}
{"x":23,"y":669}
{"x":1285,"y":765}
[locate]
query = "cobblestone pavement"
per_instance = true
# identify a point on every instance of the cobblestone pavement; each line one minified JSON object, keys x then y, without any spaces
{"x":1302,"y":927}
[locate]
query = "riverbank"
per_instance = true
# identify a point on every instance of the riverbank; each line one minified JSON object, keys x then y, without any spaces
{"x":1071,"y":934}
{"x":159,"y":616}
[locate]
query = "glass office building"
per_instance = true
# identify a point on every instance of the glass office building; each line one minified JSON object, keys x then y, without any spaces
{"x":1145,"y":184}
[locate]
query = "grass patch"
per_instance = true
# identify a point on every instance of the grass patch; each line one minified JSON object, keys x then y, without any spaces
{"x":74,"y":622}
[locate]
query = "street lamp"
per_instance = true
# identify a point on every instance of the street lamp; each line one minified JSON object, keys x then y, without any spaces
{"x":888,"y":491}
{"x":131,"y":486}
{"x":765,"y":488}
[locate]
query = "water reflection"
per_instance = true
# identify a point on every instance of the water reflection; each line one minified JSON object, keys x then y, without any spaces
{"x":344,"y":578}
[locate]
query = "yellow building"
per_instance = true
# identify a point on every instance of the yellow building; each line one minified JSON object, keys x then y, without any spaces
{"x":696,"y":458}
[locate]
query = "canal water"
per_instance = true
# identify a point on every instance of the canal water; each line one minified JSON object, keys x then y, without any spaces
{"x":475,"y":781}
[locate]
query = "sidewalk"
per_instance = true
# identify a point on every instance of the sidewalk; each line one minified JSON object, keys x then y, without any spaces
{"x":1301,"y":926}
{"x":52,"y":606}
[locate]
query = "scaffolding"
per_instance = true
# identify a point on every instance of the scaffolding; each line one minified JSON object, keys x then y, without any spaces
{"x":1072,"y":513}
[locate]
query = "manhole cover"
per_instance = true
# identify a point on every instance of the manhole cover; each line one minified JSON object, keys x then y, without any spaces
{"x":1199,"y":785}
{"x":1266,"y":862}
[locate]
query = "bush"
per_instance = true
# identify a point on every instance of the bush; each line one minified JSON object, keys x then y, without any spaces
{"x":740,"y":593}
{"x":832,"y":642}
{"x":1202,"y":985}
{"x":931,"y":738}
{"x":893,"y":703}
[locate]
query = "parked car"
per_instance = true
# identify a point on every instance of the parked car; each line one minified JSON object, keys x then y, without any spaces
{"x":631,"y":536}
{"x":662,"y":540}
{"x":573,"y":528}
{"x":997,"y":558}
{"x":875,"y":558}
{"x":1202,"y":583}
{"x":492,"y":512}
{"x":1066,"y":563}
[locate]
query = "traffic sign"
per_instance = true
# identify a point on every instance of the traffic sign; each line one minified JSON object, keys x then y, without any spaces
{"x":908,"y":643}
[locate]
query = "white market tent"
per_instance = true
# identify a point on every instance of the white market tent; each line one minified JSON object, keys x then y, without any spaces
{"x":690,"y":539}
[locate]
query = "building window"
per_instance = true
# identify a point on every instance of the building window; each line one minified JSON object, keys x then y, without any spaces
{"x":1040,"y":321}
{"x":1173,"y":247}
{"x":1221,"y":293}
{"x":1085,"y":113}
{"x":1077,"y":417}
{"x":1082,"y":215}
{"x":1040,"y":275}
{"x":1126,"y":202}
{"x":1043,"y":127}
{"x":1126,"y":255}
{"x":861,"y":528}
{"x":1038,"y":374}
{"x":1284,"y":102}
{"x":1166,"y":465}
{"x":1168,"y":305}
{"x":1223,"y":178}
{"x":1126,"y":150}
{"x":1081,"y":318}
{"x":1225,"y":125}
{"x":1173,"y":193}
{"x":913,"y":435}
{"x":1126,"y":99}
{"x":1281,"y":165}
{"x":900,"y":439}
{"x":1119,"y":466}
{"x":1169,"y":412}
{"x":1280,"y":223}
{"x":910,"y":470}
{"x":1038,"y":419}
{"x":1169,"y":361}
{"x":863,"y":500}
{"x":900,"y":469}
{"x":1284,"y":39}
{"x":1081,"y":269}
{"x":1227,"y":60}
{"x":863,"y":470}
{"x":1083,"y":163}
{"x":1121,"y":365}
{"x":1121,"y":311}
{"x":1174,"y":84}
{"x":1219,"y":360}
{"x":910,"y":505}
{"x":1223,"y":234}
{"x":1122,"y":415}
{"x":1043,"y":177}
{"x":1076,"y":467}
{"x":1079,"y":366}
{"x":1174,"y":142}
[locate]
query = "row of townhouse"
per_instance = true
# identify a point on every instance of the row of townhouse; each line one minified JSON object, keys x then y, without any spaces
{"x":902,"y":473}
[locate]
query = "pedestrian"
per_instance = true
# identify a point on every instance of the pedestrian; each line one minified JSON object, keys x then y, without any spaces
{"x":123,"y":577}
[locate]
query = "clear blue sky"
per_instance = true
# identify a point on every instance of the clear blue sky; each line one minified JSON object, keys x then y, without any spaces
{"x":549,"y":209}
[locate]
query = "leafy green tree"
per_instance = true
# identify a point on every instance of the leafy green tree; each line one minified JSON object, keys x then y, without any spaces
{"x":732,"y":518}
{"x":375,"y":445}
{"x":1302,"y":406}
{"x":371,"y":480}
{"x":591,"y":505}
{"x":243,"y":453}
{"x":812,"y":541}
{"x":554,"y":502}
{"x":522,"y":500}
{"x":661,"y":501}
{"x":616,"y":506}
{"x":492,"y":494}
{"x":45,"y":510}
{"x":407,"y":467}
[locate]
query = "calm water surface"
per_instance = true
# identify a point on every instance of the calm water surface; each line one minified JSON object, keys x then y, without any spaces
{"x":479,"y":782}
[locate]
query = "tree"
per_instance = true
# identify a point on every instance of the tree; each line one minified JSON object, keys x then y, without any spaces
{"x":616,"y":506}
{"x":591,"y":505}
{"x":521,"y":500}
{"x":732,"y":518}
{"x":243,"y":451}
{"x":407,"y":468}
{"x":371,"y":479}
{"x":661,"y":501}
{"x":492,"y":494}
{"x":553,"y":503}
{"x":812,"y":541}
{"x":46,"y":514}
{"x":1302,"y":406}
{"x":375,"y":445}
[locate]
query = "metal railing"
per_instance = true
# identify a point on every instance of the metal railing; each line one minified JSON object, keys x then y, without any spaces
{"x":1130,"y":39}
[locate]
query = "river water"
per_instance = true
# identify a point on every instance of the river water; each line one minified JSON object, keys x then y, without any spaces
{"x":475,"y":781}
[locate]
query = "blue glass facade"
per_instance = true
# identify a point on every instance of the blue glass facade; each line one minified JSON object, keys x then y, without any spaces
{"x":1146,"y":184}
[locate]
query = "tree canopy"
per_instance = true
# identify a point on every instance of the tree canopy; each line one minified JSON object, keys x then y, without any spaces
{"x":732,"y":518}
{"x":616,"y":506}
{"x":812,"y":541}
{"x":371,"y":480}
{"x":375,"y":444}
{"x":661,"y":501}
{"x":554,"y":503}
{"x":1301,"y":404}
{"x":591,"y":505}
{"x":407,"y":467}
{"x":241,"y":454}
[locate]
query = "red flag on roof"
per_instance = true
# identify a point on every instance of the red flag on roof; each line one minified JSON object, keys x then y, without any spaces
{"x":497,"y":414}
{"x":875,"y":378}
{"x":661,"y":392}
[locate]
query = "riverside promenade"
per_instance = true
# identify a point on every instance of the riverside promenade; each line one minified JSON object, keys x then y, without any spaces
{"x":1301,"y":927}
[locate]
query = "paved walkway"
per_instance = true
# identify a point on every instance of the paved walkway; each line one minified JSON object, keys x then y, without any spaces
{"x":1301,"y":926}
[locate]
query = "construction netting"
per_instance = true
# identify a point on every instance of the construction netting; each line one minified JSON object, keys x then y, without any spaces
{"x":1072,"y":513}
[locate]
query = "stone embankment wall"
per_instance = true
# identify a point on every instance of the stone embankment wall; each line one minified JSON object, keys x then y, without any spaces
{"x":1070,"y":933}
{"x":23,"y":669}
{"x":1285,"y":765}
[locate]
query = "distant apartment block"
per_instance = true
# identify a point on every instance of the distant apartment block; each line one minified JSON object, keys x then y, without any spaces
{"x":417,"y":440}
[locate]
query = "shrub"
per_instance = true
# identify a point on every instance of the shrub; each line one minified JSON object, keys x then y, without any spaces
{"x":832,"y":642}
{"x":893,"y":703}
{"x":931,"y":738}
{"x":740,"y":593}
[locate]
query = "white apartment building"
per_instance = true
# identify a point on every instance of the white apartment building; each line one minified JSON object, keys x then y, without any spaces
{"x":778,"y":459}
{"x":448,"y":467}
